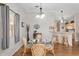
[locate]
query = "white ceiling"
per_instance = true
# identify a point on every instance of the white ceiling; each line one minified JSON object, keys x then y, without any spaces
{"x":69,"y":8}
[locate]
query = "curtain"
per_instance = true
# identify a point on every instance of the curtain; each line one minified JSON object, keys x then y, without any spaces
{"x":4,"y":26}
{"x":1,"y":30}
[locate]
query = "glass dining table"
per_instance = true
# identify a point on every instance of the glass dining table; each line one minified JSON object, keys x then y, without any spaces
{"x":49,"y":47}
{"x":47,"y":44}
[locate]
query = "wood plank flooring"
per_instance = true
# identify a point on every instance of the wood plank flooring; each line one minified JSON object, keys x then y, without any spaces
{"x":59,"y":50}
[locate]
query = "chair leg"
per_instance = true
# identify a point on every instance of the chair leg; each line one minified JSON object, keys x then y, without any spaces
{"x":24,"y":51}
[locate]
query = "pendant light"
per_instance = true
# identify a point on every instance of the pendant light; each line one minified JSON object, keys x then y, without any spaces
{"x":41,"y":14}
{"x":62,"y":18}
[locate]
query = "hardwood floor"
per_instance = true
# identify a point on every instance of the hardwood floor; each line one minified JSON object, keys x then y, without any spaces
{"x":20,"y":52}
{"x":59,"y":50}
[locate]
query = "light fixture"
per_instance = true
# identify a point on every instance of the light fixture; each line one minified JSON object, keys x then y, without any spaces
{"x":41,"y":14}
{"x":61,"y":21}
{"x":62,"y":18}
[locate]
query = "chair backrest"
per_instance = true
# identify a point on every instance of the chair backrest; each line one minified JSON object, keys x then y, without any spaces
{"x":61,"y":39}
{"x":54,"y":40}
{"x":38,"y":50}
{"x":39,"y":37}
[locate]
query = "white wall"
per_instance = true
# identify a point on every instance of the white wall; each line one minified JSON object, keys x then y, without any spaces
{"x":12,"y":46}
{"x":44,"y":24}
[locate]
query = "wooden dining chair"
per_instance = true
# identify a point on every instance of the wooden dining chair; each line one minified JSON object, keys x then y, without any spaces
{"x":61,"y":39}
{"x":38,"y":50}
{"x":24,"y":40}
{"x":66,"y":43}
{"x":54,"y":43}
{"x":54,"y":40}
{"x":38,"y":37}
